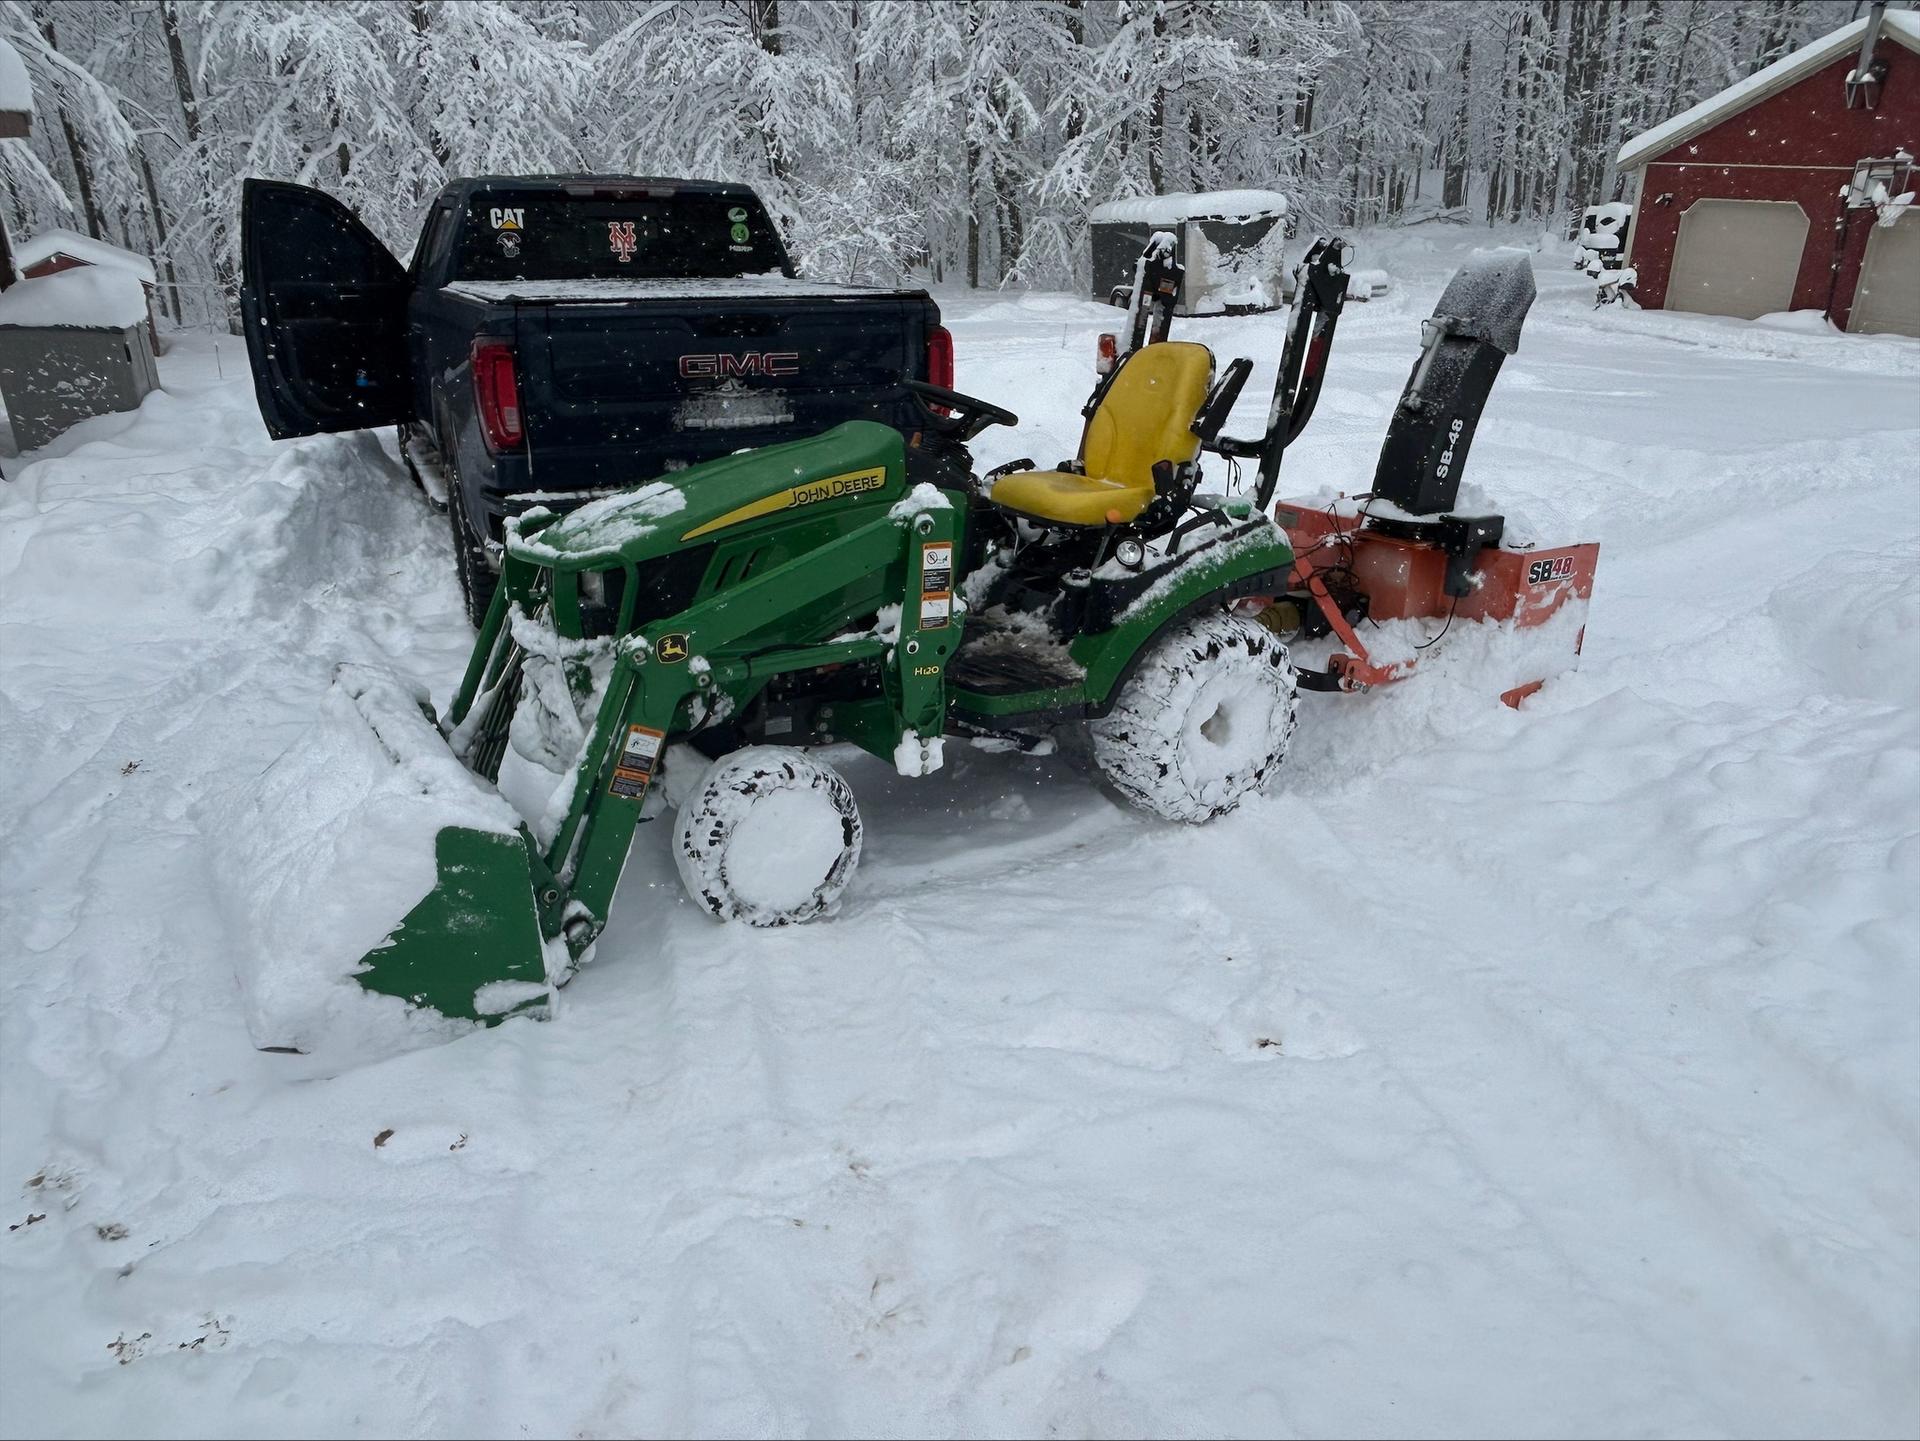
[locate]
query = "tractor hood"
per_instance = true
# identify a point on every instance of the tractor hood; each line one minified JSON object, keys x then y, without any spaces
{"x":860,"y":460}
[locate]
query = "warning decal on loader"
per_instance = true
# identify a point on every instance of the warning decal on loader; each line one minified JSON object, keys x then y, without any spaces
{"x":634,"y":769}
{"x":936,"y":584}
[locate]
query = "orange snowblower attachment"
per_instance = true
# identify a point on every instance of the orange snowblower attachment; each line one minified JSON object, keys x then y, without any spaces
{"x":1402,"y":552}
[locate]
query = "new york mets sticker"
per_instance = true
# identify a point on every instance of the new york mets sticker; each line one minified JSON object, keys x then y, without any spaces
{"x":621,"y":240}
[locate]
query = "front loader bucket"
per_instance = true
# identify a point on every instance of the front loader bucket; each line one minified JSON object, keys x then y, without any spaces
{"x":369,"y":859}
{"x":471,"y":948}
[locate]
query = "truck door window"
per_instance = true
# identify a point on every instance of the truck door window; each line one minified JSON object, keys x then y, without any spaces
{"x":555,"y":236}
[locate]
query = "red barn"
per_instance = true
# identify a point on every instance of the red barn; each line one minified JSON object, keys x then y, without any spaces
{"x":1779,"y":192}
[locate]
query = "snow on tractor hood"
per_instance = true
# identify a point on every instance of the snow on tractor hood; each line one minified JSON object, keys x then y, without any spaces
{"x":859,"y":459}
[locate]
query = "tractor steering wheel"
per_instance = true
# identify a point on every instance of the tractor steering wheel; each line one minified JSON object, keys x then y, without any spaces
{"x":971,"y":415}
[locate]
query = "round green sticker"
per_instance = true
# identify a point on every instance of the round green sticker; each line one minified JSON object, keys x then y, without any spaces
{"x":738,"y":212}
{"x":740,"y":234}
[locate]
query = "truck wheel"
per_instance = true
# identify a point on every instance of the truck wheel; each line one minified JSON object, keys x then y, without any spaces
{"x":770,"y":836}
{"x":477,"y":580}
{"x":1202,"y":722}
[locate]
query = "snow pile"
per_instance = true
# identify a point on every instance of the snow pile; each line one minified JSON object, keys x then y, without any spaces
{"x":48,"y":243}
{"x":1173,"y":208}
{"x":326,"y":852}
{"x":1368,"y":284}
{"x":90,"y":297}
{"x":1805,"y":322}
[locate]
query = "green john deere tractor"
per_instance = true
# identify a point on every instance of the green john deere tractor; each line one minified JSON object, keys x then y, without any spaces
{"x":864,"y":587}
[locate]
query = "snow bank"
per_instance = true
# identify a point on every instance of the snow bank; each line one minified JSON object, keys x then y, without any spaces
{"x":1806,"y":322}
{"x":1192,"y":205}
{"x":81,"y":247}
{"x":322,"y":855}
{"x":90,"y":297}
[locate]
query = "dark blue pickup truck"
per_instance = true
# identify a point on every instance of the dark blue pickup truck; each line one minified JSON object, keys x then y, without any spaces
{"x":558,"y":337}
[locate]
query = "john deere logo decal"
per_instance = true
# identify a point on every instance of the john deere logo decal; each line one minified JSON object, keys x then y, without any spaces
{"x":834,"y":487}
{"x":671,"y":648}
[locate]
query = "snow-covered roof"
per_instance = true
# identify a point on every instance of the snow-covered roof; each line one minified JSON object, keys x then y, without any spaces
{"x":91,"y":297}
{"x":1899,"y":25}
{"x":1192,"y":205}
{"x":81,"y":247}
{"x":16,"y":90}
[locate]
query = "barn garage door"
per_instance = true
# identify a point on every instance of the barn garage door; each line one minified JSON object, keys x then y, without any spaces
{"x":1737,"y":257}
{"x":1887,"y":301}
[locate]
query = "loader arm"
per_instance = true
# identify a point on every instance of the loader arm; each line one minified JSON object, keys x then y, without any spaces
{"x":692,"y":661}
{"x":507,"y":909}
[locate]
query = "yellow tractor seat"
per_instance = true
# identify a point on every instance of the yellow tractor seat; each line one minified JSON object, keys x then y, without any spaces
{"x":1064,"y":498}
{"x":1146,"y":415}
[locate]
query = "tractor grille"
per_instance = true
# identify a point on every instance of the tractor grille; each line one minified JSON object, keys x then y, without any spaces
{"x":664,"y":587}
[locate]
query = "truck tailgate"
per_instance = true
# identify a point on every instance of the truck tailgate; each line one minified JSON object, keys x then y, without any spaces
{"x":629,"y":389}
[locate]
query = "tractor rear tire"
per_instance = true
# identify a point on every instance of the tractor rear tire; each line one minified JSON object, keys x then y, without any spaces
{"x":477,"y":578}
{"x":1203,"y":722}
{"x":769,"y":836}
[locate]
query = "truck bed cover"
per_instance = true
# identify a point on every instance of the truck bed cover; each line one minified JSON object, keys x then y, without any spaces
{"x":733,"y":287}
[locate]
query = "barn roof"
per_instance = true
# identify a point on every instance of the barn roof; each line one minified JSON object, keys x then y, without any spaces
{"x":1899,"y":25}
{"x":81,"y":247}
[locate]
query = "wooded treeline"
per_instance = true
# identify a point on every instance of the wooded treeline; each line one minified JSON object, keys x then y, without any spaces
{"x":954,"y":140}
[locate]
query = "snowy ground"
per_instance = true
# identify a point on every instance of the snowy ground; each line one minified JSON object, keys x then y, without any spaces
{"x":1500,"y":1073}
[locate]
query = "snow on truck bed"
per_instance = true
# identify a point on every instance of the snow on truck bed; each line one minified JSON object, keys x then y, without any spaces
{"x":732,"y":287}
{"x":1499,"y":1073}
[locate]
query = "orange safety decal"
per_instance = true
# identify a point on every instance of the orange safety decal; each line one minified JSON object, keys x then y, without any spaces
{"x":638,"y":756}
{"x":936,"y":584}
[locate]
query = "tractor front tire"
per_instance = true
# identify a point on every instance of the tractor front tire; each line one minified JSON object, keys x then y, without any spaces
{"x":477,"y":578}
{"x":769,"y":836}
{"x":1203,"y":722}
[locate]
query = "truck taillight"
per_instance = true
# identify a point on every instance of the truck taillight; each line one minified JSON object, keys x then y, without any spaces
{"x":496,"y":393}
{"x":1108,"y":352}
{"x":940,"y":357}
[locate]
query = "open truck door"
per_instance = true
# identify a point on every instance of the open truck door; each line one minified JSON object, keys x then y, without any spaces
{"x":325,"y":309}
